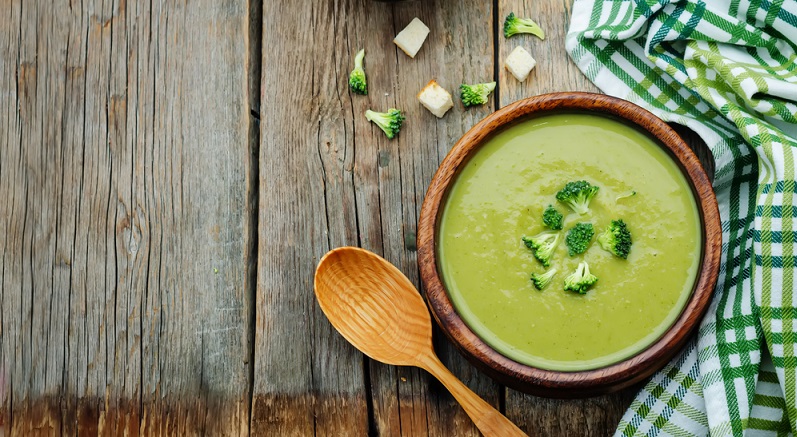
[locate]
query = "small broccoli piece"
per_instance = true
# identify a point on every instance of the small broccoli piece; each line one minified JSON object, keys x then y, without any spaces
{"x":542,"y":246}
{"x":626,"y":195}
{"x":578,"y":238}
{"x":390,"y":121}
{"x":581,"y":280}
{"x":476,"y":94}
{"x":552,"y":218}
{"x":542,"y":280}
{"x":616,"y":239}
{"x":514,"y":25}
{"x":357,"y":76}
{"x":577,"y":195}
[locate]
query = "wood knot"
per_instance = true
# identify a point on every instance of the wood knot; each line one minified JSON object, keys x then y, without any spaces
{"x":383,"y":158}
{"x":63,"y":261}
{"x":128,"y":232}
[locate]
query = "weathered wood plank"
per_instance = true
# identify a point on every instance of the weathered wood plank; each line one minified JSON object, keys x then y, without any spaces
{"x":459,"y":49}
{"x":342,"y":182}
{"x":126,"y":218}
{"x":308,"y":381}
{"x":554,"y":72}
{"x":9,"y":135}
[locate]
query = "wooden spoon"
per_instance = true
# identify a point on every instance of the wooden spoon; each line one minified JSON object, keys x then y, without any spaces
{"x":378,"y":310}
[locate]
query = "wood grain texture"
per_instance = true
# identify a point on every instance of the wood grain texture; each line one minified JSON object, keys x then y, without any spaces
{"x":308,"y":380}
{"x":554,"y":71}
{"x":124,"y":218}
{"x":345,"y":183}
{"x":489,"y":421}
{"x":458,"y":50}
{"x":374,"y":306}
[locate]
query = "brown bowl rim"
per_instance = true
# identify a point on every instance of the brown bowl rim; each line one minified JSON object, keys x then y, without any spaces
{"x":553,"y":383}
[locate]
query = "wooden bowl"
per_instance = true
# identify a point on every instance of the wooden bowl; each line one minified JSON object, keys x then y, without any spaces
{"x":553,"y":383}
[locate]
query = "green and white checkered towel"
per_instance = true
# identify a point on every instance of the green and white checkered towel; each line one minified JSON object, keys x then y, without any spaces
{"x":726,"y":69}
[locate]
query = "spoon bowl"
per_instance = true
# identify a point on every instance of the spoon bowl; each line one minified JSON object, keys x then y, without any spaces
{"x":379,"y":311}
{"x":357,"y":292}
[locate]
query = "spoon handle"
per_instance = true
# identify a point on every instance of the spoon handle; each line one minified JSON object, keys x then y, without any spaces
{"x":489,"y":421}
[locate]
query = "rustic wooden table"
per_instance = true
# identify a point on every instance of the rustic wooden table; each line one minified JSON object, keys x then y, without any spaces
{"x":171,"y":173}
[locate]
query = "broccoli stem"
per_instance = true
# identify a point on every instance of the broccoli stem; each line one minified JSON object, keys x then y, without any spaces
{"x":390,"y":121}
{"x":358,"y":59}
{"x":357,"y":82}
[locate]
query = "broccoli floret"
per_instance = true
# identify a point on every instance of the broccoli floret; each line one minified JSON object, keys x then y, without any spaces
{"x":542,"y":280}
{"x":552,"y":218}
{"x":514,"y":25}
{"x":628,"y":194}
{"x":476,"y":94}
{"x":581,"y":280}
{"x":542,"y":246}
{"x":577,"y":195}
{"x":578,"y":238}
{"x":357,"y":76}
{"x":390,"y":121}
{"x":616,"y":239}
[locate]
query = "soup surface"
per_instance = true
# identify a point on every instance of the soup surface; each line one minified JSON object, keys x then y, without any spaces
{"x":499,"y":197}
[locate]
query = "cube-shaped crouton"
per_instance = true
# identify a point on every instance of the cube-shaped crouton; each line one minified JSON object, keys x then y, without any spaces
{"x":412,"y":37}
{"x":436,"y":99}
{"x":520,"y":63}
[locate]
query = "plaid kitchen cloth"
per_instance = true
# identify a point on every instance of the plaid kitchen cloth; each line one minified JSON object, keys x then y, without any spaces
{"x":726,"y":69}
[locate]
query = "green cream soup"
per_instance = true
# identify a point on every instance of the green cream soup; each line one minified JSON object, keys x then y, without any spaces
{"x":499,"y":197}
